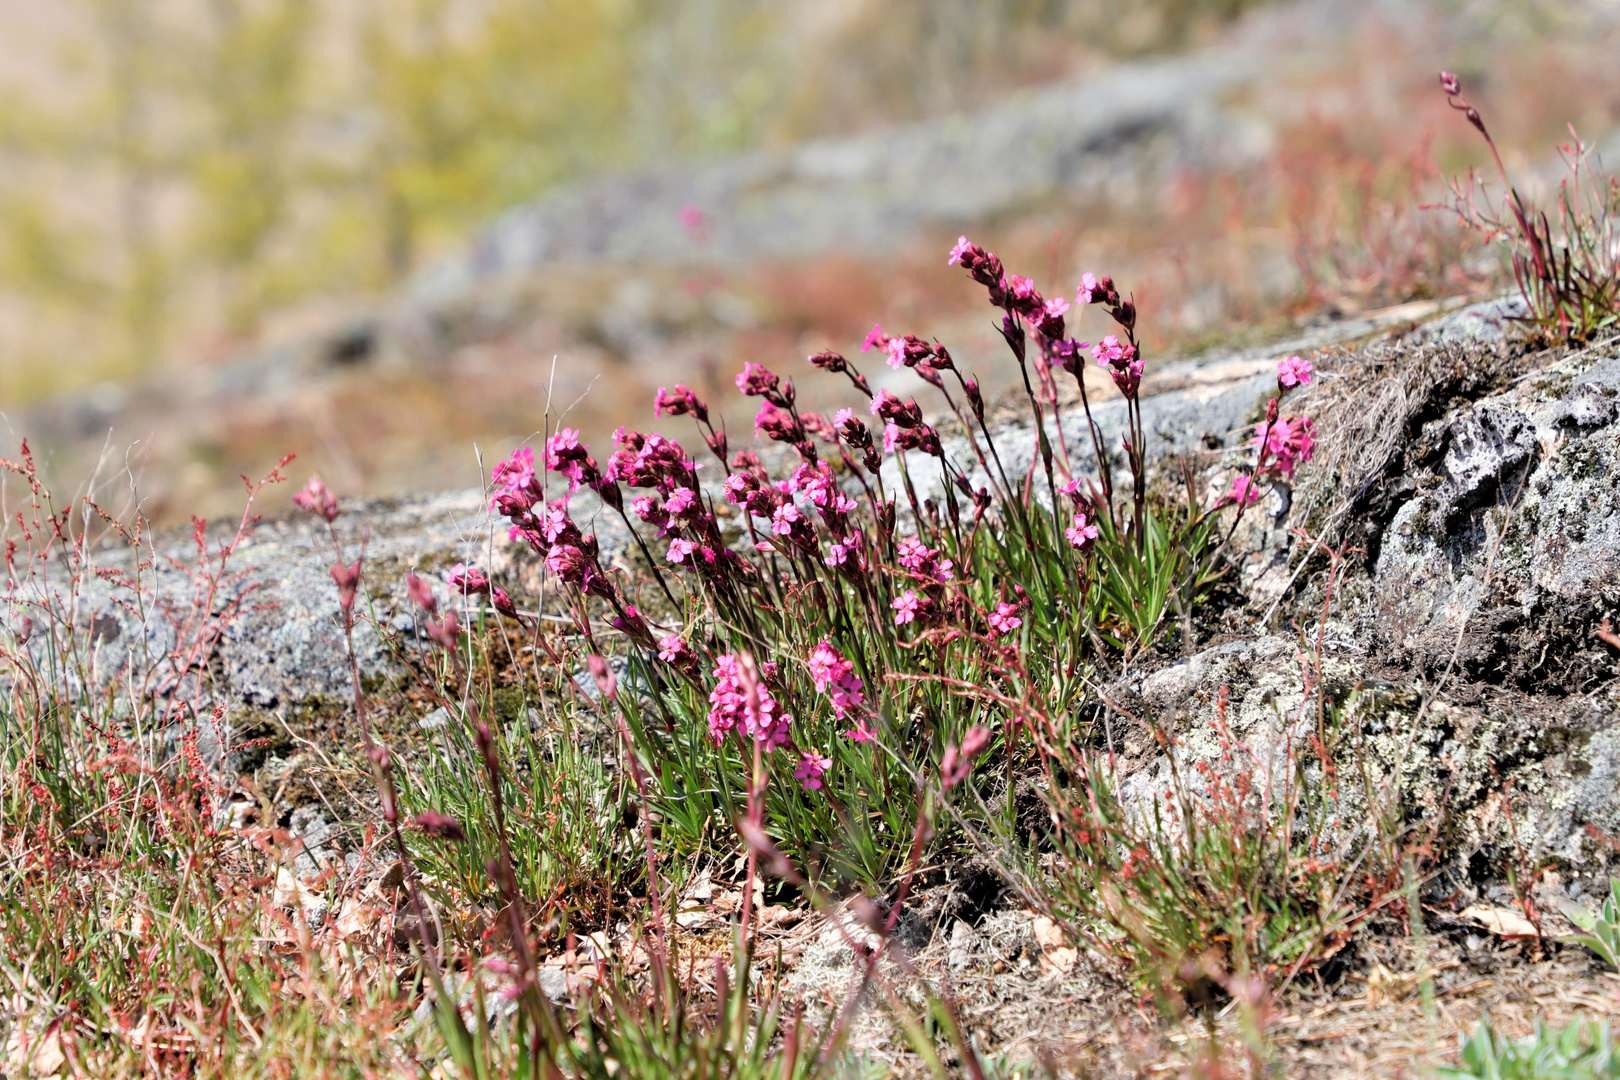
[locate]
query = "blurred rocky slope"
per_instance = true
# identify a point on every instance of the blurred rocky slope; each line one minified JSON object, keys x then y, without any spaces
{"x":587,"y":299}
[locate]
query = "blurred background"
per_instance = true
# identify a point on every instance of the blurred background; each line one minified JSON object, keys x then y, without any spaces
{"x":393,"y":235}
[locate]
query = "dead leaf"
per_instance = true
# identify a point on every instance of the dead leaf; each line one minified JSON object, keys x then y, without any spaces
{"x":355,"y":917}
{"x":1057,"y":958}
{"x":291,"y":893}
{"x":1501,"y":921}
{"x":697,"y":919}
{"x":39,"y":1053}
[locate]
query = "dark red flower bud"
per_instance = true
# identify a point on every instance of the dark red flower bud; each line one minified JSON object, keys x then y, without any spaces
{"x":440,"y":825}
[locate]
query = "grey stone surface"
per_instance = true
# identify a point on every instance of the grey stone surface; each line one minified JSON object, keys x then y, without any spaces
{"x":1514,"y":543}
{"x":1514,"y":781}
{"x":1103,"y":136}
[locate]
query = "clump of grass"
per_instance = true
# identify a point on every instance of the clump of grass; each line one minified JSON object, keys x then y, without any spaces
{"x":1567,"y":267}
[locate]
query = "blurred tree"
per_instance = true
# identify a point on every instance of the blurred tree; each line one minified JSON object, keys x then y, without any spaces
{"x":465,"y":122}
{"x":241,"y":164}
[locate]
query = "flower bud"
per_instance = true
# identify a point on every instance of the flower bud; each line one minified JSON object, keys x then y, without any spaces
{"x":606,"y":682}
{"x":440,"y":825}
{"x":421,"y":593}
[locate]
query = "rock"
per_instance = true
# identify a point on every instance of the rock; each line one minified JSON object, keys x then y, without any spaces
{"x":1513,"y":556}
{"x":1514,"y":782}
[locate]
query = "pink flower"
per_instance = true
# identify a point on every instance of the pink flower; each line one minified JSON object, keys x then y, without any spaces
{"x":680,"y":403}
{"x":1094,"y":290}
{"x":1004,"y":620}
{"x":845,"y":551}
{"x":786,"y":519}
{"x":906,"y":607}
{"x":1119,"y":359}
{"x":672,"y":649}
{"x":861,"y":732}
{"x":680,"y":551}
{"x":1294,"y":372}
{"x":1244,"y":491}
{"x":842,"y":417}
{"x":555,"y":524}
{"x":897,"y":352}
{"x":811,"y":768}
{"x":961,"y":249}
{"x":1288,"y":443}
{"x":567,"y":562}
{"x":680,"y":501}
{"x":875,"y":339}
{"x":835,"y":677}
{"x":1081,"y":534}
{"x":741,"y":699}
{"x":1057,"y":307}
{"x":517,"y":471}
{"x":318,"y":499}
{"x":1109,"y":351}
{"x":1020,"y":287}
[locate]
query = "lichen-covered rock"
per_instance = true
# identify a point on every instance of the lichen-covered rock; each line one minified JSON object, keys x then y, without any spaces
{"x":1517,"y":782}
{"x":1511,"y":556}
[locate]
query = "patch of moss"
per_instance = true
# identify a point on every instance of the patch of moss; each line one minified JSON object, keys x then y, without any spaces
{"x":509,"y":702}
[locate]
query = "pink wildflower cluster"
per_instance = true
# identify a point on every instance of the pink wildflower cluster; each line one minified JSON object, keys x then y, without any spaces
{"x":1283,"y":443}
{"x":1015,"y":295}
{"x":924,"y":561}
{"x":567,"y":456}
{"x":1023,"y":304}
{"x":682,"y":402}
{"x":676,"y":507}
{"x":1121,"y":361}
{"x":835,"y":677}
{"x":742,"y":702}
{"x":927,"y":359}
{"x":790,"y":521}
{"x":911,"y":606}
{"x":546,"y":527}
{"x":904,"y":428}
{"x":1082,"y":532}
